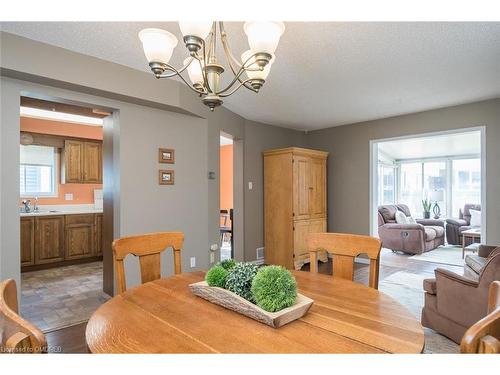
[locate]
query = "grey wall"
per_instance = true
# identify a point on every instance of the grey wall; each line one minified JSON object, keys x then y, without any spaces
{"x":348,"y":162}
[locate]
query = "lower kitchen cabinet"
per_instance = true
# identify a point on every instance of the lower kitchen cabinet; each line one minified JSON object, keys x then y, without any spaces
{"x":98,"y":234}
{"x":49,"y":239}
{"x":79,"y":236}
{"x":54,"y":240}
{"x":27,"y":241}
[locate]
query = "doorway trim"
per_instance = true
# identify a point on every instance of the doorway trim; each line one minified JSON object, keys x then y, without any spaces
{"x":238,"y":195}
{"x":110,"y":124}
{"x":373,"y":183}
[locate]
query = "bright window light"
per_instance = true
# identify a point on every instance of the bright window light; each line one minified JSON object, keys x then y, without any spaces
{"x":59,"y":116}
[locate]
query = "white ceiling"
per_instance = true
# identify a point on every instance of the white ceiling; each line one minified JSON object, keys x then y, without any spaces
{"x":468,"y":143}
{"x":326,"y":74}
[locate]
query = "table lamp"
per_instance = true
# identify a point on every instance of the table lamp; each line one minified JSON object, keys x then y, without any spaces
{"x":436,"y":196}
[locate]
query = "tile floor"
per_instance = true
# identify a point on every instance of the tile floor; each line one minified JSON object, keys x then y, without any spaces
{"x":63,"y":296}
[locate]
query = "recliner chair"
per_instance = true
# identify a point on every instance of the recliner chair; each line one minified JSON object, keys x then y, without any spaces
{"x":455,"y":227}
{"x":453,"y":302}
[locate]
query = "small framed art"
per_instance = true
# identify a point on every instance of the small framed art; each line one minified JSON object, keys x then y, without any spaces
{"x":166,"y":177}
{"x":166,"y":155}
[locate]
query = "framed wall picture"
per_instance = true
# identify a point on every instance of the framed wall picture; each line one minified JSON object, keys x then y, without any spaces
{"x":166,"y":155}
{"x":166,"y":177}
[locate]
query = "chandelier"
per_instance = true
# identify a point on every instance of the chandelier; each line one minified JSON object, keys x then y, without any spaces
{"x":200,"y":39}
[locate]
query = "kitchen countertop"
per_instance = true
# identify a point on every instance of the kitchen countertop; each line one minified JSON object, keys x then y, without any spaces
{"x":63,"y":210}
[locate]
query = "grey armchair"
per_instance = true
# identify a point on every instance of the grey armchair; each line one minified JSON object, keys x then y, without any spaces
{"x":454,"y":302}
{"x":455,"y":227}
{"x":425,"y":235}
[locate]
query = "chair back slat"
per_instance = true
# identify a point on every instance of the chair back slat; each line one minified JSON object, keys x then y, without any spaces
{"x":345,"y":248}
{"x":484,"y":336}
{"x":16,"y":334}
{"x":148,"y":248}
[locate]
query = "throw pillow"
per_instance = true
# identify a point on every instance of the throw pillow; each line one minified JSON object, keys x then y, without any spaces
{"x":410,"y":220}
{"x":475,"y":218}
{"x":400,"y":218}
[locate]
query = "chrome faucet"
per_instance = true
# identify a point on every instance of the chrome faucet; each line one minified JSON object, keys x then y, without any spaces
{"x":35,"y":205}
{"x":27,"y":205}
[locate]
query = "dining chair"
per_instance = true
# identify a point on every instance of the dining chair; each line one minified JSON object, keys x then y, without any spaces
{"x":484,"y":336}
{"x":225,"y":229}
{"x":148,"y":247}
{"x":17,"y":335}
{"x":345,"y":248}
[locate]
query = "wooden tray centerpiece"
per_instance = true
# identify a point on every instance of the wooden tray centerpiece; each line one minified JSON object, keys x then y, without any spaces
{"x":251,"y":291}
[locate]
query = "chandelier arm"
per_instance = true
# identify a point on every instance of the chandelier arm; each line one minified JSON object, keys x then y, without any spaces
{"x":235,"y":79}
{"x":178,"y":73}
{"x":243,"y":83}
{"x":203,"y":72}
{"x":229,"y":56}
{"x":225,"y":44}
{"x":175,"y":71}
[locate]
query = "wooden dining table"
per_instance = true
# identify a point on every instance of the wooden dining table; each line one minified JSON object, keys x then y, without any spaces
{"x":163,"y":316}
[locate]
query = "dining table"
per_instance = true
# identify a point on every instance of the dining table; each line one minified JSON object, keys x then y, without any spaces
{"x":163,"y":316}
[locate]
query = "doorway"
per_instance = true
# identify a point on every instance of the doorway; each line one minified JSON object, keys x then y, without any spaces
{"x":226,"y":242}
{"x":439,"y":178}
{"x":61,"y":205}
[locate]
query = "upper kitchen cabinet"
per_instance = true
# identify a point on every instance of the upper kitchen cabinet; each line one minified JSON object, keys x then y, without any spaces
{"x":81,"y":162}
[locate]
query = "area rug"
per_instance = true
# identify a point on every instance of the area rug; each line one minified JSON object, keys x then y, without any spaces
{"x":449,"y":254}
{"x":406,"y":288}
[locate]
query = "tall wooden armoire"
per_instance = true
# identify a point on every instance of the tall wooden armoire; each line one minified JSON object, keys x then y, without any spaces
{"x":294,"y":204}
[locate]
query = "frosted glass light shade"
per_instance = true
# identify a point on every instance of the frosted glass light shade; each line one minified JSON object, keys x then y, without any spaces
{"x":257,"y":74}
{"x":264,"y":36}
{"x":194,"y":71}
{"x":158,"y":44}
{"x":199,"y":29}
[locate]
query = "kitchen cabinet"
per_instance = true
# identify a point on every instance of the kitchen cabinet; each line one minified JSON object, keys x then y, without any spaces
{"x":49,"y":239}
{"x":294,"y":204}
{"x":98,"y":234}
{"x":81,"y":162}
{"x":92,"y":162}
{"x":56,"y":240}
{"x":79,"y":233}
{"x":27,"y":241}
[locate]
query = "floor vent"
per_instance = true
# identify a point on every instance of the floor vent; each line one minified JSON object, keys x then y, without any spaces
{"x":260,"y":253}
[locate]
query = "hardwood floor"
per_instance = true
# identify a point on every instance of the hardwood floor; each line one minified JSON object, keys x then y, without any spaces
{"x":68,"y":340}
{"x":72,"y":339}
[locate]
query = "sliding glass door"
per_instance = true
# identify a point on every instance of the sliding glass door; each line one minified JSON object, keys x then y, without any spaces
{"x":466,"y":185}
{"x":387,"y":184}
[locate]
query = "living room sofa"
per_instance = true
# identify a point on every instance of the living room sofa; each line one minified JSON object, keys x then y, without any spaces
{"x":425,"y":235}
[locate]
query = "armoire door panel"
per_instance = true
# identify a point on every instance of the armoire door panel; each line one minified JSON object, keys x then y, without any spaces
{"x":317,"y":188}
{"x":301,"y":187}
{"x":301,"y":229}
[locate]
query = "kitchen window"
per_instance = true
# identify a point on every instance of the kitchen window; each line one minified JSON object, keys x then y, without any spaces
{"x":37,"y":171}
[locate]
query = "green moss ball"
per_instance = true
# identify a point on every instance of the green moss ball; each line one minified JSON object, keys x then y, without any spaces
{"x":227,"y":263}
{"x":216,"y":276}
{"x":240,"y":278}
{"x":274,"y":288}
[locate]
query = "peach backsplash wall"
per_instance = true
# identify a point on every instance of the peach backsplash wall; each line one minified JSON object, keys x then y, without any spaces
{"x":226,"y":177}
{"x":82,"y":193}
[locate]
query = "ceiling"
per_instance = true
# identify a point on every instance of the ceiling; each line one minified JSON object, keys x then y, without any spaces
{"x":326,"y":74}
{"x":467,"y":143}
